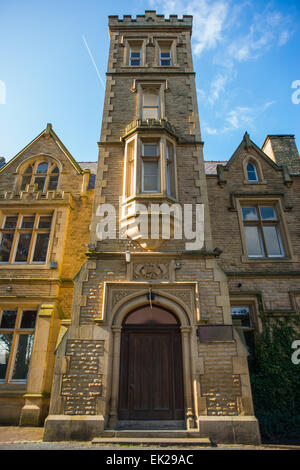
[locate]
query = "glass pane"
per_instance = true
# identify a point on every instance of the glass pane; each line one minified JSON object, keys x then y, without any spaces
{"x":150,"y":113}
{"x":28,"y":221}
{"x":267,"y":213}
{"x":25,"y":180}
{"x":169,"y":153}
{"x":273,"y":242}
{"x":242,"y":315}
{"x":135,"y":62}
{"x":5,"y":347}
{"x":150,"y":150}
{"x":150,"y":176}
{"x":55,"y":170}
{"x":42,"y":168}
{"x":148,"y":316}
{"x":251,"y":170}
{"x":11,"y":221}
{"x":41,"y":246}
{"x":23,"y":357}
{"x":8,"y":319}
{"x":28,"y":319}
{"x":40,"y":181}
{"x":135,"y":54}
{"x":45,"y":221}
{"x":53,"y":180}
{"x":249,"y":213}
{"x":165,"y":54}
{"x":28,"y":170}
{"x":165,"y":62}
{"x":23,"y":247}
{"x":150,"y":99}
{"x":253,"y":240}
{"x":5,"y":246}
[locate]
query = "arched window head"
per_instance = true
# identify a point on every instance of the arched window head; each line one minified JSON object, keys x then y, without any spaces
{"x":43,"y":173}
{"x":252,"y":172}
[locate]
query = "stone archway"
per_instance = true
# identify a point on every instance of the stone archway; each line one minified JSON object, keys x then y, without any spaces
{"x":151,"y":372}
{"x":127,"y":305}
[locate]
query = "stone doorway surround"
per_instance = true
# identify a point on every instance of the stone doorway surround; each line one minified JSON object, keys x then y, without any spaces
{"x":126,"y":297}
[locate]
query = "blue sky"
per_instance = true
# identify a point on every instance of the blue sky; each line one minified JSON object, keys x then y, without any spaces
{"x":246,"y":58}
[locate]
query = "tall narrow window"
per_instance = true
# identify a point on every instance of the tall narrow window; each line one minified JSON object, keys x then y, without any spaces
{"x":17,"y":327}
{"x":262,"y":232}
{"x":251,"y":172}
{"x":25,"y":238}
{"x":129,"y":184}
{"x":150,"y":168}
{"x":135,"y":56}
{"x":241,"y":316}
{"x":150,"y":104}
{"x":165,"y":57}
{"x":170,"y":170}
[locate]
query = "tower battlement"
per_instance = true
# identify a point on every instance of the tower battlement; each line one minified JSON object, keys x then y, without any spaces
{"x":150,"y":19}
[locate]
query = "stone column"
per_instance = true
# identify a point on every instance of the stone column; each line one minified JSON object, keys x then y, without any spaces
{"x":188,"y":399}
{"x":113,"y":412}
{"x":36,"y":400}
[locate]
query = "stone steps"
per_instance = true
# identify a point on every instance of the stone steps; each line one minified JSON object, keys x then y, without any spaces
{"x":160,"y":441}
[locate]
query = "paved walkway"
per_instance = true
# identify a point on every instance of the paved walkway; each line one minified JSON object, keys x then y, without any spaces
{"x":29,"y":438}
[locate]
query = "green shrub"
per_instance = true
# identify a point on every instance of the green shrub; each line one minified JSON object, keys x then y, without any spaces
{"x":275,"y":379}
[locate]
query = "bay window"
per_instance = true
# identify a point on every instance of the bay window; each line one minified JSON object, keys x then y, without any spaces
{"x":149,"y":166}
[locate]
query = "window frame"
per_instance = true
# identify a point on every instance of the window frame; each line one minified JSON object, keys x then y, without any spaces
{"x":155,"y":92}
{"x":34,"y":230}
{"x":34,"y":163}
{"x":276,"y":203}
{"x":252,"y":305}
{"x":138,"y":140}
{"x":153,"y":158}
{"x":16,"y":332}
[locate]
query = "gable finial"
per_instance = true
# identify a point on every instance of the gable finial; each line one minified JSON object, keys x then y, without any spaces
{"x":247,"y":140}
{"x":48,"y":128}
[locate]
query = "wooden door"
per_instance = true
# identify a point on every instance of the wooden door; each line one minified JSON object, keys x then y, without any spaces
{"x":151,"y":378}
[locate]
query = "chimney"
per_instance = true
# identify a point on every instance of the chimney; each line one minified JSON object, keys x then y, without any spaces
{"x":283,"y":151}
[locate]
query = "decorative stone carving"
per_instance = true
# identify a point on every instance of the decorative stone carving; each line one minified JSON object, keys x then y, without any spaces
{"x":150,"y":271}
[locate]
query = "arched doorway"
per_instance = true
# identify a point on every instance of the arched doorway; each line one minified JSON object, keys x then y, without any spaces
{"x":151,"y":373}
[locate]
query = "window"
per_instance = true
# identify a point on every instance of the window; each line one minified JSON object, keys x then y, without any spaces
{"x":130,"y":151}
{"x":165,"y":56}
{"x":25,"y":238}
{"x":262,"y":232}
{"x":42,"y":173}
{"x":241,"y":316}
{"x":170,"y":170}
{"x":135,"y":56}
{"x":150,"y":104}
{"x":251,"y":172}
{"x":150,"y":167}
{"x":16,"y":340}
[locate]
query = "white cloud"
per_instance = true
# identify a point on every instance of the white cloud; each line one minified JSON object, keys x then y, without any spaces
{"x":209,"y":19}
{"x":242,"y":117}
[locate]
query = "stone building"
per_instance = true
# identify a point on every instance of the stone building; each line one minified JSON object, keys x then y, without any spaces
{"x":164,"y":307}
{"x":45,"y":209}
